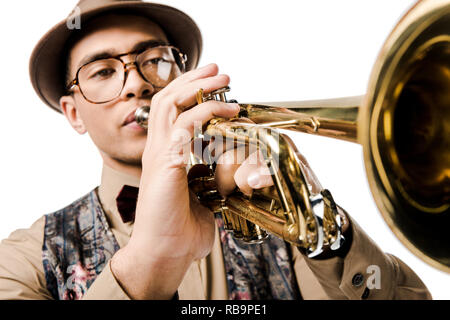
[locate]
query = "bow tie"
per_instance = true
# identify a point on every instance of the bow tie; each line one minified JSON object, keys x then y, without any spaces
{"x":126,"y":203}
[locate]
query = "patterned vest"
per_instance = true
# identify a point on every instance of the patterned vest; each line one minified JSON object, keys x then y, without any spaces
{"x":78,"y":244}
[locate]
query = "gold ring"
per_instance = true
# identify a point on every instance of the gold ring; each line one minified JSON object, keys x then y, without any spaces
{"x":199,"y":96}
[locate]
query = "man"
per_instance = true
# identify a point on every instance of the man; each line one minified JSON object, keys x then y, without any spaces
{"x":126,"y":55}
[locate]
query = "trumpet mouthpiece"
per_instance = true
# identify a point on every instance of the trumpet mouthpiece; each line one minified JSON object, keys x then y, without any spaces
{"x":141,"y":116}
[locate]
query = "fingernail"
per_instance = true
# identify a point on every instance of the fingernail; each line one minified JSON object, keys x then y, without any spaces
{"x":234,"y":106}
{"x":253,"y":180}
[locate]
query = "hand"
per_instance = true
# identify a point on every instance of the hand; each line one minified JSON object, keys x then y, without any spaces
{"x":253,"y":173}
{"x":171,"y":229}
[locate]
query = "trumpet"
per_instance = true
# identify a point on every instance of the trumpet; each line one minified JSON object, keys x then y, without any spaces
{"x":402,"y":123}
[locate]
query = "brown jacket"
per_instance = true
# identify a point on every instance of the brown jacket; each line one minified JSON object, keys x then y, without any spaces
{"x":366,"y":272}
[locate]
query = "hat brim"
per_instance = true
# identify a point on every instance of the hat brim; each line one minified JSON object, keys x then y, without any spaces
{"x":45,"y":61}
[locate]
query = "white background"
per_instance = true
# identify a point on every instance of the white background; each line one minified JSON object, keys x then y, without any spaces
{"x":273,"y":51}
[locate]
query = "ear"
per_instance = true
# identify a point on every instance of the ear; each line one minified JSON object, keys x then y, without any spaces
{"x":68,"y":107}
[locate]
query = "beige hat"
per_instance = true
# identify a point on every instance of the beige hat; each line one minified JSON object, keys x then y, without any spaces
{"x":48,"y":60}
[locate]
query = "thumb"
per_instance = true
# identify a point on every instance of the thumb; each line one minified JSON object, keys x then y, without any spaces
{"x":253,"y":174}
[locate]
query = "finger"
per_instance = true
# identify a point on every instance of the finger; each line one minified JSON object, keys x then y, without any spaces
{"x":227,"y":165}
{"x":171,"y":102}
{"x":199,"y":115}
{"x":167,"y":105}
{"x":182,"y":132}
{"x":219,"y":145}
{"x":203,"y":72}
{"x":253,"y":174}
{"x":185,"y":96}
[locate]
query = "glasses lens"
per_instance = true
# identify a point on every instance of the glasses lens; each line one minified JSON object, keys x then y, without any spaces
{"x":160,"y":65}
{"x":101,"y":80}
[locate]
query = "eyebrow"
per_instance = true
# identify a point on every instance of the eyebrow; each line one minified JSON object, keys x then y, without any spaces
{"x":109,"y":53}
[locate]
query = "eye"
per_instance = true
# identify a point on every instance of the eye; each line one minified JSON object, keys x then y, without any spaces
{"x":103,"y":73}
{"x":153,"y":61}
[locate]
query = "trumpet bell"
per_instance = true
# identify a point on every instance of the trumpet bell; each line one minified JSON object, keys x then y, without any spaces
{"x":404,"y":127}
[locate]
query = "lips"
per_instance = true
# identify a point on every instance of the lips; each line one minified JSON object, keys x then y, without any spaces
{"x":131,"y":122}
{"x":129,"y":119}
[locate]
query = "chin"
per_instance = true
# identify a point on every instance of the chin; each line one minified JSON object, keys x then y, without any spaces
{"x":129,"y":155}
{"x":132,"y":158}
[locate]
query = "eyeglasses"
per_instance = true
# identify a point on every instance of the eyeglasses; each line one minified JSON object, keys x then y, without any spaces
{"x":103,"y":80}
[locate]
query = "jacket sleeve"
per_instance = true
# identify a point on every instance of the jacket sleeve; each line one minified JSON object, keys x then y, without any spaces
{"x":366,"y":272}
{"x":21,"y":272}
{"x":106,"y":287}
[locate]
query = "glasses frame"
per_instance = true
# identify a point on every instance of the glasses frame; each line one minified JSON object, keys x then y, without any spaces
{"x":126,"y":66}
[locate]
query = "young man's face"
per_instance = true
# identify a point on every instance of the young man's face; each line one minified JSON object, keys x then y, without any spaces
{"x":108,"y":123}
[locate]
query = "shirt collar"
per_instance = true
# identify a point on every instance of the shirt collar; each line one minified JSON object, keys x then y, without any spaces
{"x":111,"y":184}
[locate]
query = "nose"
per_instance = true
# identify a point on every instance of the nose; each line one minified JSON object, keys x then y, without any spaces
{"x":135,"y":85}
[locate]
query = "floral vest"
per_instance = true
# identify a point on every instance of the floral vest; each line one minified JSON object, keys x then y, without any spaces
{"x":78,"y":244}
